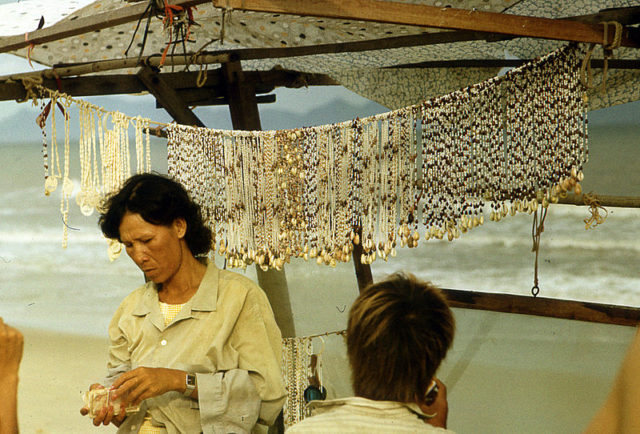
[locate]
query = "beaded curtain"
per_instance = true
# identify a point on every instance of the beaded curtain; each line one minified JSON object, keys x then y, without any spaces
{"x":506,"y":145}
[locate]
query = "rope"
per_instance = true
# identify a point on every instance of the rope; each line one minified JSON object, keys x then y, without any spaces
{"x":536,"y":230}
{"x":591,"y":200}
{"x":586,"y":74}
{"x":204,"y":67}
{"x":29,"y":84}
{"x":226,"y":15}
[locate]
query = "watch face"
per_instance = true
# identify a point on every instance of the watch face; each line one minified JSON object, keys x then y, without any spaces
{"x":191,"y":380}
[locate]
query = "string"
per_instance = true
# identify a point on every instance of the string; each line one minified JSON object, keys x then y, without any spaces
{"x":536,"y":231}
{"x":586,"y":73}
{"x":591,"y":200}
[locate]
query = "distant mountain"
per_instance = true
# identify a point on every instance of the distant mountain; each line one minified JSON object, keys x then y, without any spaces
{"x":278,"y":117}
{"x":17,"y":121}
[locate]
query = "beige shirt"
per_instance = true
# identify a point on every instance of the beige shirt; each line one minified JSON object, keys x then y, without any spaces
{"x":226,"y":334}
{"x":361,"y":415}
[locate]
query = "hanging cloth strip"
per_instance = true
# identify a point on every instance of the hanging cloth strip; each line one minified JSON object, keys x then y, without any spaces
{"x":510,"y":143}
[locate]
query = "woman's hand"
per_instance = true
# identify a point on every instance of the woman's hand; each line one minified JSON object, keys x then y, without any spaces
{"x":106,"y":415}
{"x":135,"y":386}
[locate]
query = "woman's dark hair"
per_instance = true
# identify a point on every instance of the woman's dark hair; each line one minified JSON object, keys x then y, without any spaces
{"x":160,"y":201}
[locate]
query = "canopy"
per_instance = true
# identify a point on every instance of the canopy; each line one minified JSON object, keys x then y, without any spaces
{"x":397,"y":67}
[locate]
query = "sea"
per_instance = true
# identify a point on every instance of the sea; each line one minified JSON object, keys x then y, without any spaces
{"x":76,"y":289}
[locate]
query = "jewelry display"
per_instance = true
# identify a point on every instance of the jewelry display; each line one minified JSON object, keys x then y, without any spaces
{"x":302,"y":373}
{"x":104,"y":153}
{"x":509,"y":144}
{"x":514,"y":142}
{"x":296,"y":359}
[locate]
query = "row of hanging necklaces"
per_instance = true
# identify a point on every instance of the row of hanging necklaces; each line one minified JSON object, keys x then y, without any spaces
{"x":512,"y":143}
{"x":104,"y":153}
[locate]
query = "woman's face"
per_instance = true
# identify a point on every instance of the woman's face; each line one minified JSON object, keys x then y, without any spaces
{"x":156,"y":249}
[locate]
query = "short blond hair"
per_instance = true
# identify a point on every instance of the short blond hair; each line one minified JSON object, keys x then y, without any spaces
{"x":399,"y":331}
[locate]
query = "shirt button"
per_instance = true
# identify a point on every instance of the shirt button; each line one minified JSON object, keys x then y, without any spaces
{"x":163,"y":342}
{"x":133,"y":427}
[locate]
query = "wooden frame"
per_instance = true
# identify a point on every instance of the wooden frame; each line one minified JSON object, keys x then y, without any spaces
{"x":540,"y":306}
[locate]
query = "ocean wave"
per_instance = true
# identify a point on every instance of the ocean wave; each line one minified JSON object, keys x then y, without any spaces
{"x":491,"y":242}
{"x":43,"y":237}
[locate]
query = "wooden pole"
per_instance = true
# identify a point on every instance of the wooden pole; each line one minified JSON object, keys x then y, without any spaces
{"x":603,"y":200}
{"x":363,"y":271}
{"x":245,"y":116}
{"x":167,"y":97}
{"x":549,"y":307}
{"x":436,"y":17}
{"x":184,"y":83}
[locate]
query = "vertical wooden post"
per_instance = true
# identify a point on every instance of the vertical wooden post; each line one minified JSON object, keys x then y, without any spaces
{"x":245,"y":116}
{"x":363,"y":271}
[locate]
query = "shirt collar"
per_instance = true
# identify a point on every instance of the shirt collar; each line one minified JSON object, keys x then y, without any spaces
{"x":204,"y":300}
{"x":358,"y":401}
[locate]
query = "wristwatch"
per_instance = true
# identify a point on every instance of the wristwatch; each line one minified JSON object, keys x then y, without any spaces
{"x":190,"y":384}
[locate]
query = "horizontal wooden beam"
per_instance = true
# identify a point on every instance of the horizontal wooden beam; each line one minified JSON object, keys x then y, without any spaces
{"x":204,"y":100}
{"x":549,"y":307}
{"x":82,"y":25}
{"x":222,"y":56}
{"x":603,"y":200}
{"x":625,"y":16}
{"x":435,"y":17}
{"x":507,"y":63}
{"x":183,"y":82}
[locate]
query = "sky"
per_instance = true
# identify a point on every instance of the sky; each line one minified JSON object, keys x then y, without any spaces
{"x":316,"y":105}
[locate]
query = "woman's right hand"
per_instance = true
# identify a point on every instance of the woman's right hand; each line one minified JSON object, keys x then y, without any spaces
{"x":106,"y":415}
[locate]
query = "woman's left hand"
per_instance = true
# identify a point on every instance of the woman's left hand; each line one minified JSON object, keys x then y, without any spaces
{"x":141,"y":383}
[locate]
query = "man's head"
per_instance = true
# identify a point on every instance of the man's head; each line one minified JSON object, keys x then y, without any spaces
{"x":399,"y":331}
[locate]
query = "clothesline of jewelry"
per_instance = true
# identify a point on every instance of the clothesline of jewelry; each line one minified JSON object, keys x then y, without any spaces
{"x":321,"y":190}
{"x":514,"y":142}
{"x":297,"y":371}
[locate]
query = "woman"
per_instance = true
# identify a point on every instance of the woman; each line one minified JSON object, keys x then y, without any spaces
{"x":196,"y":347}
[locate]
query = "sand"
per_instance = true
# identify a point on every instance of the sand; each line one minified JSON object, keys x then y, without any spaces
{"x":56,"y":369}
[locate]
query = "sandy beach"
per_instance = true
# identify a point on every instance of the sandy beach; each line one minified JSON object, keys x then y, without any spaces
{"x":56,"y":369}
